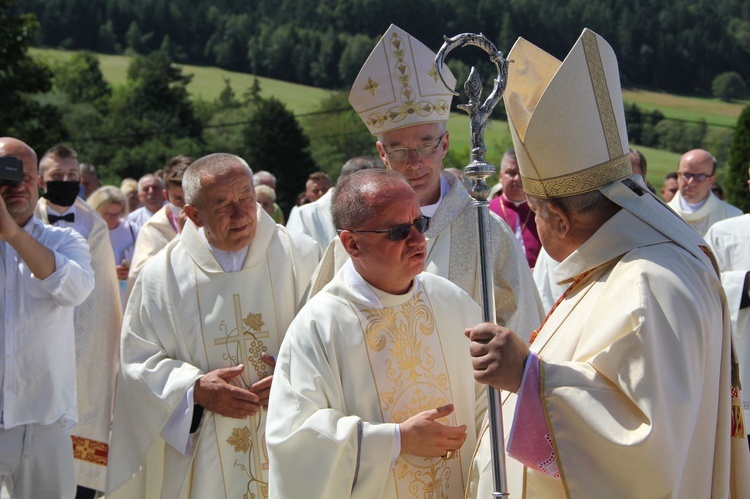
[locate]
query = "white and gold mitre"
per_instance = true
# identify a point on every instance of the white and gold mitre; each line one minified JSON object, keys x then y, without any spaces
{"x":399,"y":85}
{"x":567,"y":119}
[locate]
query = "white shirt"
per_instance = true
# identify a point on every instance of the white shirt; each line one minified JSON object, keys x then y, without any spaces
{"x":38,"y":372}
{"x":138,"y":217}
{"x":83,"y":223}
{"x":122,"y":239}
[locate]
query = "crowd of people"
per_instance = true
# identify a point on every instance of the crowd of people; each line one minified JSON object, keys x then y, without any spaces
{"x":174,"y":337}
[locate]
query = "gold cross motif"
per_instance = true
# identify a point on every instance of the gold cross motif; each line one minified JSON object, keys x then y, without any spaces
{"x":249,"y":341}
{"x":371,"y":86}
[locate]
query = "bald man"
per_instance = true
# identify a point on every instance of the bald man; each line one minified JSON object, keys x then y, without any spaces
{"x":694,"y":201}
{"x":46,"y":272}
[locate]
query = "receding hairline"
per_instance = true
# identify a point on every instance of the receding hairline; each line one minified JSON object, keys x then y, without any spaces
{"x":212,"y":165}
{"x":10,"y":146}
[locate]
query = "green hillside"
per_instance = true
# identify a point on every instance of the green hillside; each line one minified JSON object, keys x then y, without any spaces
{"x":208,"y":82}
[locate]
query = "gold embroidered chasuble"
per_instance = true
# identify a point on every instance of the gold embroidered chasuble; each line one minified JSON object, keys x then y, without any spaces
{"x":711,"y":212}
{"x":453,"y":253}
{"x":349,"y":369}
{"x":187,"y":317}
{"x":634,"y":365}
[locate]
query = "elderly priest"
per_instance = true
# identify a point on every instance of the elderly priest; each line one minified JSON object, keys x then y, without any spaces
{"x":204,"y":317}
{"x":628,"y":389}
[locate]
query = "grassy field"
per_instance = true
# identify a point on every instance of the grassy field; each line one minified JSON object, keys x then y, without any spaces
{"x":208,"y":82}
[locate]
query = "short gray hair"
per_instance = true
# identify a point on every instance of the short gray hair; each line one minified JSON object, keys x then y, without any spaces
{"x":213,"y":164}
{"x":148,"y":176}
{"x":352,"y":204}
{"x":357,"y":164}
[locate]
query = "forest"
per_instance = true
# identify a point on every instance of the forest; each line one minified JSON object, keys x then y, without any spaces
{"x":676,"y":46}
{"x":679,"y":47}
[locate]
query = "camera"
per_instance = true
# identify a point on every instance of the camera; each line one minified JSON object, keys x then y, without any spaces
{"x":11,"y":171}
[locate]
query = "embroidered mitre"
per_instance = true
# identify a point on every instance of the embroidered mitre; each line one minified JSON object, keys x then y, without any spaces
{"x":566,"y":118}
{"x":399,"y":85}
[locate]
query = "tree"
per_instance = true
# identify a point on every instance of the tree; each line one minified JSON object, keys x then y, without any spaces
{"x":81,"y":80}
{"x":22,"y":79}
{"x":728,"y":86}
{"x":337,"y":134}
{"x":275,"y":142}
{"x":739,"y":161}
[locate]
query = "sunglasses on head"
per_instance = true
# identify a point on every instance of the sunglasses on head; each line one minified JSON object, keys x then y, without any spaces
{"x":401,"y":231}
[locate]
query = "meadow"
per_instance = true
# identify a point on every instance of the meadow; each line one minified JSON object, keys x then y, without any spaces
{"x":208,"y":82}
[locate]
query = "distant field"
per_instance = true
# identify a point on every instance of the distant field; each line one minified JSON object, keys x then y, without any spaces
{"x":208,"y":82}
{"x":714,"y":111}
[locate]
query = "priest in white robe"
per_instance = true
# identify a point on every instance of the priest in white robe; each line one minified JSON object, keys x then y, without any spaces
{"x":314,"y":219}
{"x":410,"y":126}
{"x":97,"y":319}
{"x":694,"y":201}
{"x":730,"y":241}
{"x":374,"y":394}
{"x":205,"y":318}
{"x":627,"y":388}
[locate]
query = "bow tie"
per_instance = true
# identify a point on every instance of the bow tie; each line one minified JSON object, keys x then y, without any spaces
{"x":53,"y":219}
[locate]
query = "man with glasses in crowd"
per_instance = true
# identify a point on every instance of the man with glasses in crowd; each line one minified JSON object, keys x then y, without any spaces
{"x":694,"y":201}
{"x":404,"y":104}
{"x":374,"y":394}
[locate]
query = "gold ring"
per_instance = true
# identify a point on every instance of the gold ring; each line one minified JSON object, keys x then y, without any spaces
{"x":449,"y":455}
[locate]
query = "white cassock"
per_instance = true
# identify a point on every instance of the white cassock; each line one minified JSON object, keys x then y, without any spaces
{"x":155,"y":234}
{"x":97,"y":334}
{"x":711,"y":212}
{"x":453,"y":253}
{"x":635,"y":375}
{"x":315,"y":220}
{"x":187,"y":317}
{"x":356,"y":361}
{"x":730,"y":241}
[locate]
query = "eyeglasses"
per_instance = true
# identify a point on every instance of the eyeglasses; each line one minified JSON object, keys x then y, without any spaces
{"x":698,"y":177}
{"x":423,"y":151}
{"x":399,"y":232}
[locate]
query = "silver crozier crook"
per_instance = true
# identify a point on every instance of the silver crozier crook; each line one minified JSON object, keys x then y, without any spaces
{"x":478,"y":170}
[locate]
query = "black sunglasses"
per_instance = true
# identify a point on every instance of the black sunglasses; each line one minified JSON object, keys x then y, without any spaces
{"x":401,"y":231}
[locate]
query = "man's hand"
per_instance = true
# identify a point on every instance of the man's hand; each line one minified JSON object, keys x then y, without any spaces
{"x":498,"y":356}
{"x":215,"y":392}
{"x":8,"y":226}
{"x":422,"y":436}
{"x":262,"y":388}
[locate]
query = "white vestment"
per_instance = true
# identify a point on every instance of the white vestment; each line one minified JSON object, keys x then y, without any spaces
{"x":544,"y":277}
{"x":97,"y":333}
{"x":453,"y":253}
{"x":315,"y":220}
{"x":357,"y":361}
{"x":155,"y":234}
{"x":635,"y":375}
{"x":187,"y":317}
{"x":730,"y":241}
{"x":711,"y":212}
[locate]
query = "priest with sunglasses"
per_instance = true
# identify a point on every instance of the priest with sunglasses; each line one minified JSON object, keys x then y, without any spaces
{"x":374,"y":394}
{"x":402,"y":101}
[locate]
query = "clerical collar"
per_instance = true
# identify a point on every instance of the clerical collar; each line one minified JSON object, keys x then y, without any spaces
{"x":514,"y":203}
{"x":430,"y":209}
{"x":690,"y":207}
{"x":368,"y":295}
{"x":230,"y":261}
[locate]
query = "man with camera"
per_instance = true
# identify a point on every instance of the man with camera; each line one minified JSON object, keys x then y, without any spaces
{"x":45,"y":272}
